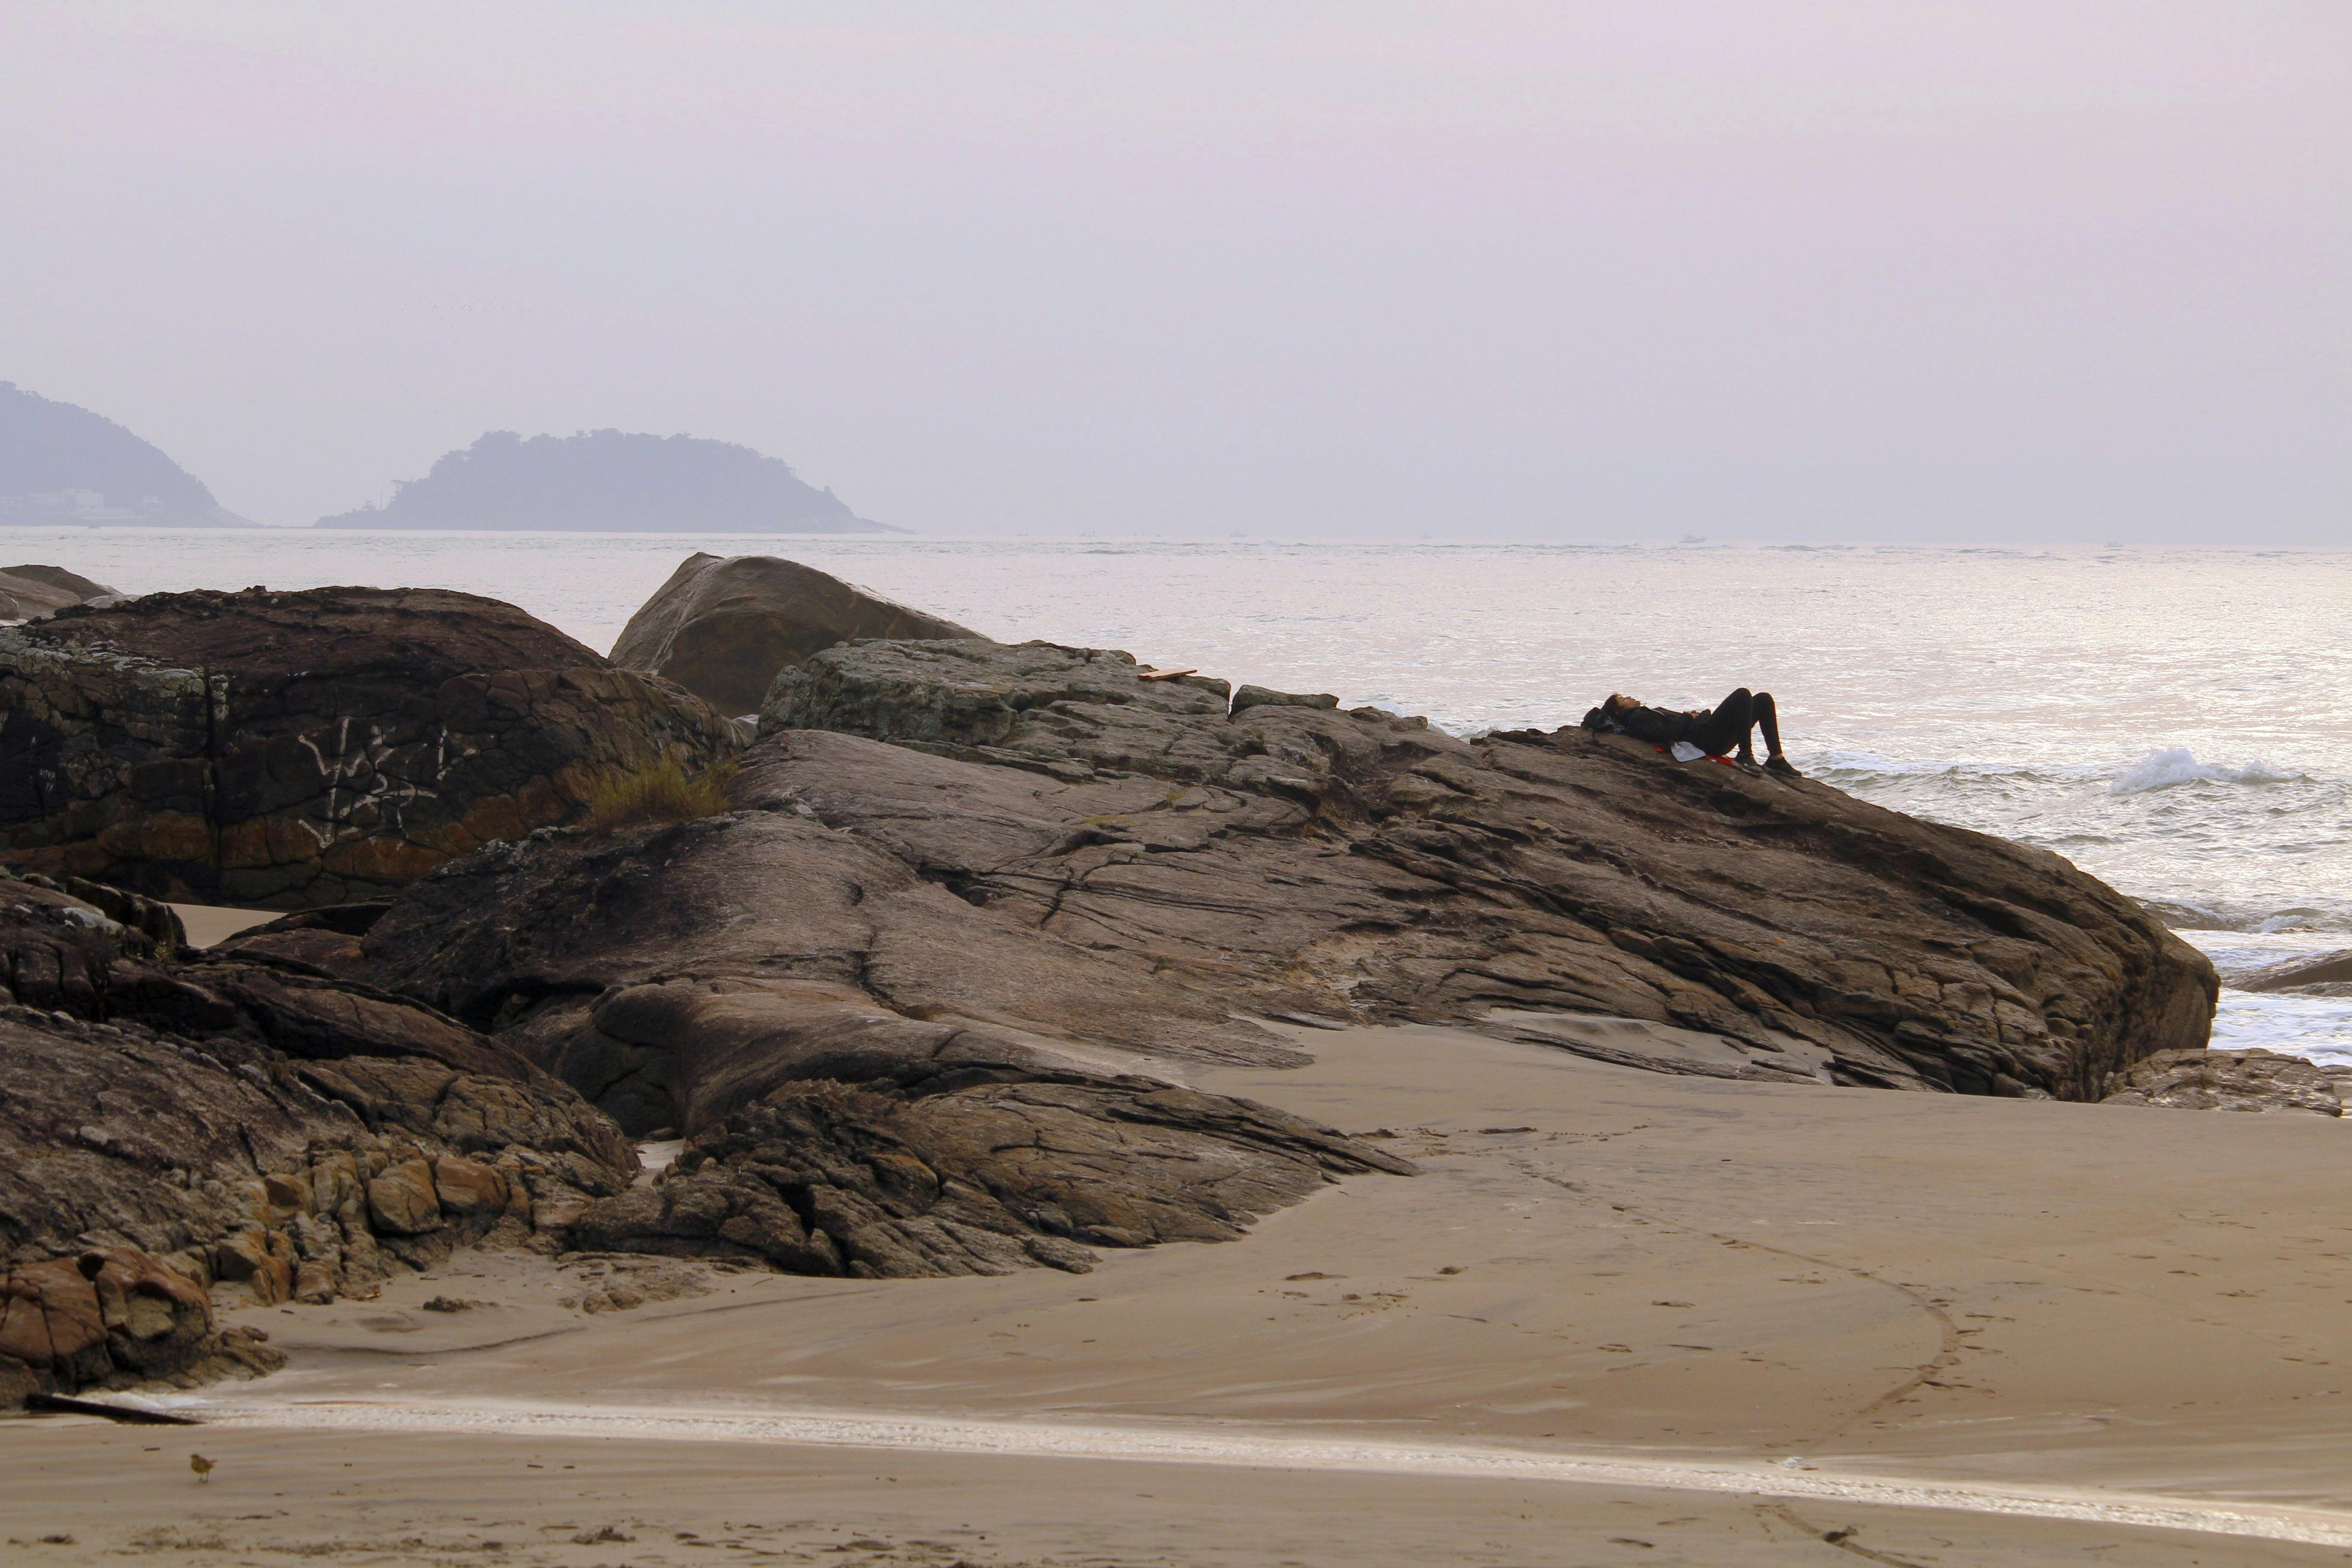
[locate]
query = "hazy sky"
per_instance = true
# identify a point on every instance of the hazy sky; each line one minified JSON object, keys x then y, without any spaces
{"x":1784,"y":269}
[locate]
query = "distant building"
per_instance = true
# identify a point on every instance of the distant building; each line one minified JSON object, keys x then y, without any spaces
{"x":64,"y":466}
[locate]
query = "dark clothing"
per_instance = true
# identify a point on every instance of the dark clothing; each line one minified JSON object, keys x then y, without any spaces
{"x":1659,"y":726}
{"x":1713,"y":731}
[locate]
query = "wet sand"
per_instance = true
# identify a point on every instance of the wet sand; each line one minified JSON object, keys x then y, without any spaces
{"x":208,"y":924}
{"x":1825,"y":1290}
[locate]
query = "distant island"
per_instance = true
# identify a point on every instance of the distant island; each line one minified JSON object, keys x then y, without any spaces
{"x":608,"y":482}
{"x":61,"y":464}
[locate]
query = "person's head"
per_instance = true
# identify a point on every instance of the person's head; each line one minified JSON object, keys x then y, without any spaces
{"x":1619,"y":703}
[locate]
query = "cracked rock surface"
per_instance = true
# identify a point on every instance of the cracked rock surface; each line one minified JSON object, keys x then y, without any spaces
{"x":196,"y":1121}
{"x":879,"y":1181}
{"x":282,"y":750}
{"x":1035,"y":839}
{"x":1358,"y":866}
{"x":822,"y":1024}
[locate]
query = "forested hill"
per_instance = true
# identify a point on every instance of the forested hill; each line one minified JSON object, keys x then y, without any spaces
{"x":610,"y":481}
{"x":62,"y":463}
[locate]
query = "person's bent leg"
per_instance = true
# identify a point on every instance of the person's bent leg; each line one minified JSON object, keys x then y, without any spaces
{"x":1728,"y":726}
{"x":1768,"y":715}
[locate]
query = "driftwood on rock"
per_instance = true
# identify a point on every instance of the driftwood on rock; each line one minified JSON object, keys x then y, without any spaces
{"x":280,"y":750}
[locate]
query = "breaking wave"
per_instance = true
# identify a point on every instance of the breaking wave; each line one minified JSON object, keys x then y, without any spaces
{"x":2174,"y":765}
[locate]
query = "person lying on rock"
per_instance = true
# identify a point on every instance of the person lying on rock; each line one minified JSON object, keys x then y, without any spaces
{"x":1713,"y":731}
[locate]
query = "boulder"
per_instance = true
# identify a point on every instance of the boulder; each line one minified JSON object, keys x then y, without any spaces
{"x":284,"y":751}
{"x":2226,"y":1080}
{"x":110,"y":1317}
{"x":831,"y":1132}
{"x":468,"y":1187}
{"x":36,"y":593}
{"x":2330,"y":969}
{"x":402,"y":1200}
{"x":723,"y":626}
{"x":261,"y":1260}
{"x":1247,"y":696}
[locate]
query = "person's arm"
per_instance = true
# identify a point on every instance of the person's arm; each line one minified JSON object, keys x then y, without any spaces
{"x":1660,"y":729}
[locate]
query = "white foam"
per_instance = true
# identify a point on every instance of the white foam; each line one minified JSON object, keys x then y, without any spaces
{"x":1205,"y":1444}
{"x":2236,"y":949}
{"x":2175,"y":765}
{"x":2317,"y":1027}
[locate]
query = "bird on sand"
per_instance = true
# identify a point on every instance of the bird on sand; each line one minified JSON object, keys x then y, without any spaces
{"x":201,"y":1466}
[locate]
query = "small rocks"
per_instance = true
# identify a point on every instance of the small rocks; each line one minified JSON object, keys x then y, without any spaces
{"x":624,"y":1284}
{"x":2254,"y":1080}
{"x":600,"y":1537}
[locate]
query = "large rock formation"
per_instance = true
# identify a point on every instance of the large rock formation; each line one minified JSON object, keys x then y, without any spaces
{"x":36,"y":593}
{"x":286,"y":750}
{"x":723,"y":626}
{"x":986,"y":1170}
{"x":1058,"y":857}
{"x":223,"y":1120}
{"x":917,"y":999}
{"x":1290,"y":859}
{"x":819,"y":1019}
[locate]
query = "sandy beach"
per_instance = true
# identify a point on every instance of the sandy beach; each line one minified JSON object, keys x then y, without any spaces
{"x":1619,"y":1317}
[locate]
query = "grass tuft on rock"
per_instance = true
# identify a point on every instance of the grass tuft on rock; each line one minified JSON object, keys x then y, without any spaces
{"x":662,"y":792}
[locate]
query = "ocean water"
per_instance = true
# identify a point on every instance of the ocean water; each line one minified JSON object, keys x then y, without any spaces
{"x":2177,"y":723}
